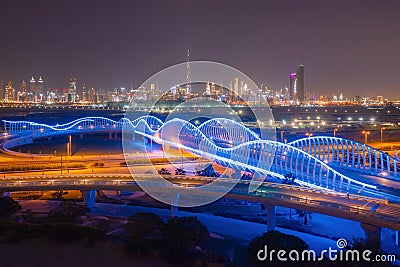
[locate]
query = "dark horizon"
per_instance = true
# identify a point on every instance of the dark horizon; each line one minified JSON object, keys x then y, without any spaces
{"x":345,"y":46}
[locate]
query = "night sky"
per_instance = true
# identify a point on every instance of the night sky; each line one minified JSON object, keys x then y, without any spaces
{"x":349,"y":46}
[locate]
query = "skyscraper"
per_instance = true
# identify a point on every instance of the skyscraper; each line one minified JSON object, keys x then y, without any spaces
{"x":188,"y":78}
{"x":32,"y":90}
{"x":9,"y":92}
{"x":301,"y":93}
{"x":293,"y":87}
{"x":83,"y":94}
{"x":72,"y":85}
{"x":1,"y":91}
{"x":236,"y":86}
{"x":39,"y":89}
{"x":297,"y":93}
{"x":22,"y":92}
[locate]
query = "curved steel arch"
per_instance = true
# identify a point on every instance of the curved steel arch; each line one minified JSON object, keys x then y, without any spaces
{"x":351,"y":155}
{"x":308,"y":160}
{"x":228,"y":131}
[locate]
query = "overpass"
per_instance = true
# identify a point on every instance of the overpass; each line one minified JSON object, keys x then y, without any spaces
{"x":372,"y":213}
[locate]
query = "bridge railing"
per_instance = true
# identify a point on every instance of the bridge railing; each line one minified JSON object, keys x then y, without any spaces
{"x":350,"y":155}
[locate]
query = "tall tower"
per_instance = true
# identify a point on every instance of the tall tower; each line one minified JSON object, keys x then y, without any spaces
{"x":293,"y":87}
{"x":9,"y":92}
{"x":72,"y":90}
{"x":83,"y":94}
{"x":32,"y":85}
{"x":39,"y":89}
{"x":236,"y":86}
{"x":22,"y":92}
{"x":188,"y":81}
{"x":1,"y":91}
{"x":32,"y":90}
{"x":23,"y":87}
{"x":301,"y":93}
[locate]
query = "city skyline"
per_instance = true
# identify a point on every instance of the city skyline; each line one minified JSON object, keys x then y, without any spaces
{"x":116,"y":45}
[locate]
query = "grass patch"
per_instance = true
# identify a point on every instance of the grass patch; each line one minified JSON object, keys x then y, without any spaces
{"x":155,"y":160}
{"x":34,"y":167}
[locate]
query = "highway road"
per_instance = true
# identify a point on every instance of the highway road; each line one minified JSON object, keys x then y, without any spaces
{"x":364,"y":209}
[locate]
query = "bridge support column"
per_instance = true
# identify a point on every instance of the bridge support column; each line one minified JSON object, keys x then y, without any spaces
{"x":174,"y":206}
{"x":90,"y":198}
{"x":110,"y":135}
{"x":150,"y":142}
{"x":115,"y":135}
{"x":372,"y":233}
{"x":81,"y":136}
{"x":271,"y":220}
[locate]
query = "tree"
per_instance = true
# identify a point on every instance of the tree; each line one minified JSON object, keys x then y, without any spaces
{"x":8,"y":207}
{"x":184,"y":232}
{"x":67,"y":212}
{"x":180,"y":172}
{"x":208,"y":171}
{"x":274,"y":240}
{"x":143,"y":231}
{"x":142,"y":224}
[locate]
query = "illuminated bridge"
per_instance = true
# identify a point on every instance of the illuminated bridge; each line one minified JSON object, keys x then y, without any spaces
{"x":319,"y":162}
{"x":331,"y":176}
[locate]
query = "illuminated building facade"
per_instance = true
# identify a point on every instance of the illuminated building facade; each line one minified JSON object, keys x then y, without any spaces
{"x":297,"y":94}
{"x":32,"y":90}
{"x":9,"y":92}
{"x":72,"y":85}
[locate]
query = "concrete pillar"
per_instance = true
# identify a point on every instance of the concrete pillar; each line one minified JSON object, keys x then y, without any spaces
{"x":90,"y":198}
{"x":151,"y":145}
{"x":174,"y":206}
{"x":271,"y":218}
{"x":110,"y":135}
{"x":372,"y":233}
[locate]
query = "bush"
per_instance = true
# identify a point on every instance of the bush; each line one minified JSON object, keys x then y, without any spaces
{"x":275,"y":241}
{"x":14,"y":232}
{"x":67,"y":212}
{"x":21,"y":168}
{"x":184,"y":232}
{"x":98,"y":164}
{"x":155,"y":160}
{"x":72,"y":233}
{"x":8,"y":207}
{"x":143,"y":224}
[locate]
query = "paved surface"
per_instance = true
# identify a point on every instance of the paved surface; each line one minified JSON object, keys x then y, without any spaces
{"x":353,"y":207}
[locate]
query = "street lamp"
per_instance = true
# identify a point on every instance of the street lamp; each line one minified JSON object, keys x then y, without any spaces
{"x":309,"y":134}
{"x":366,"y":133}
{"x":382,"y":128}
{"x":334,"y":132}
